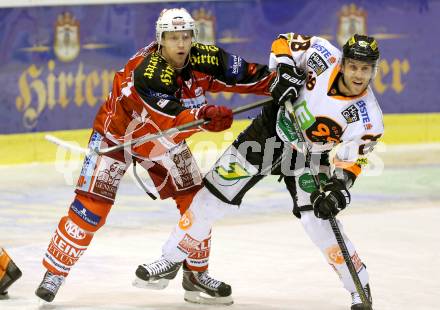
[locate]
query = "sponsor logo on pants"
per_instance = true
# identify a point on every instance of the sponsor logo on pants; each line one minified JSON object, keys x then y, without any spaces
{"x":188,"y":244}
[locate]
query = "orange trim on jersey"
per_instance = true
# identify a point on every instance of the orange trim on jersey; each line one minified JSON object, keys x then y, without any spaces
{"x":333,"y":76}
{"x":349,"y":166}
{"x":281,"y":47}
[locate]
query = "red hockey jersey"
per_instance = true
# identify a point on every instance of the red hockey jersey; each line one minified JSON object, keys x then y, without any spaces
{"x":149,"y":95}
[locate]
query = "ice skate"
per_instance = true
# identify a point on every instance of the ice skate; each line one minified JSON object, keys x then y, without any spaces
{"x":200,"y":288}
{"x":49,"y":287}
{"x":4,"y":295}
{"x":156,"y":275}
{"x":356,"y":302}
{"x":9,"y":273}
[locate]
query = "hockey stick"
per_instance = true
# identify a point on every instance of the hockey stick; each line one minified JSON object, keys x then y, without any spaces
{"x":333,"y":223}
{"x":150,"y":137}
{"x":177,"y":129}
{"x":66,"y":145}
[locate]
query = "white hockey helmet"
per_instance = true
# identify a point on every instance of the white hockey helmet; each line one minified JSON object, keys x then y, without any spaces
{"x":174,"y":20}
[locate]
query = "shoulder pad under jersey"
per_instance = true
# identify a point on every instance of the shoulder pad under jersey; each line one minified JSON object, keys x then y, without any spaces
{"x":205,"y":58}
{"x":155,"y":74}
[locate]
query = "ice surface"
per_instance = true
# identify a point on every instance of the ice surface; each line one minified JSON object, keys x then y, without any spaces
{"x":261,"y":249}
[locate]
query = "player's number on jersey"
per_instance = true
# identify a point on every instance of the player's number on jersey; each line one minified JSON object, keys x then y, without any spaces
{"x":324,"y":130}
{"x":311,"y":81}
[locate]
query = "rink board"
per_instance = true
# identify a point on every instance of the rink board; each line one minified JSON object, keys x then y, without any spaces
{"x":32,"y":147}
{"x":58,"y":62}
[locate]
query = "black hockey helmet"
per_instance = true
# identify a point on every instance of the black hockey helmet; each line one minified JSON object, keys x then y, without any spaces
{"x":361,"y":47}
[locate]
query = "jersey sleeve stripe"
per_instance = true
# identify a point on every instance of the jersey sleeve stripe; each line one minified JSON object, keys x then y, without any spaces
{"x":349,"y":166}
{"x":280,"y":47}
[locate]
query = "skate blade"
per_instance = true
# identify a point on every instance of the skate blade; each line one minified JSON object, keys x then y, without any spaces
{"x":205,"y":299}
{"x":153,"y":285}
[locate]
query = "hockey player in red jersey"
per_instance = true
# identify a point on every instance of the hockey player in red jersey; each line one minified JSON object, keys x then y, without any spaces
{"x":336,"y":110}
{"x":9,"y":273}
{"x":162,"y":86}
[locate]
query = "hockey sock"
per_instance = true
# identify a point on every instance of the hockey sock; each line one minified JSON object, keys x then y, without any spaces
{"x":194,"y":226}
{"x":67,"y":245}
{"x":320,"y":232}
{"x":198,"y":257}
{"x":336,"y":260}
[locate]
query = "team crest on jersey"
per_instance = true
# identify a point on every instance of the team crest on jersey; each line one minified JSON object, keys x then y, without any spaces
{"x":66,"y":46}
{"x":351,"y":114}
{"x":351,"y":20}
{"x":205,"y":23}
{"x":316,"y":63}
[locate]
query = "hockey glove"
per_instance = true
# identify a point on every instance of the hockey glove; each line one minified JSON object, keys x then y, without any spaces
{"x":287,"y":83}
{"x":334,"y":198}
{"x":220,"y":117}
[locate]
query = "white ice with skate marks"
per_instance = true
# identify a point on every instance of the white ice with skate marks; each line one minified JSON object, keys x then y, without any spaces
{"x":261,"y":249}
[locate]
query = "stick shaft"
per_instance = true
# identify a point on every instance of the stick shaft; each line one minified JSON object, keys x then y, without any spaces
{"x":177,"y":129}
{"x":333,"y":223}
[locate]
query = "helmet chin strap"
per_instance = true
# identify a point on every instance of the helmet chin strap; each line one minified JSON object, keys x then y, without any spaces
{"x":175,"y":68}
{"x":184,"y":65}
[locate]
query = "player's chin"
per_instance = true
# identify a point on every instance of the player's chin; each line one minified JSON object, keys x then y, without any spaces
{"x":180,"y":58}
{"x":358,"y":88}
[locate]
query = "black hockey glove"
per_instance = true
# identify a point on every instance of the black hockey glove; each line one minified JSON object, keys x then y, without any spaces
{"x":287,"y":83}
{"x":334,"y":198}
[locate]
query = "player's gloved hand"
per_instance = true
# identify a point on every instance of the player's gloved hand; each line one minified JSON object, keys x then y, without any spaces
{"x":334,"y":198}
{"x":220,"y":117}
{"x":287,"y":83}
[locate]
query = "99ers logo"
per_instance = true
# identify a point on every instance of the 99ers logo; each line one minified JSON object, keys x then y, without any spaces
{"x":324,"y":130}
{"x":334,"y":254}
{"x":186,"y":220}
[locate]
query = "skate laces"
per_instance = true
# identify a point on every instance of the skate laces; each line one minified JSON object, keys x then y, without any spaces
{"x":159,"y":266}
{"x":206,"y":279}
{"x":52,"y":282}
